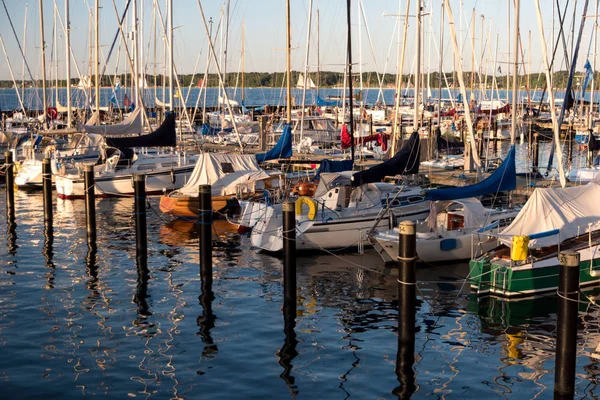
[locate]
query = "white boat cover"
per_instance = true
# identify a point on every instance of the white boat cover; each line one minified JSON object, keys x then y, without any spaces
{"x":133,"y":124}
{"x":160,"y":103}
{"x":327,"y":180}
{"x":473,"y":212}
{"x":570,"y":210}
{"x":224,"y":172}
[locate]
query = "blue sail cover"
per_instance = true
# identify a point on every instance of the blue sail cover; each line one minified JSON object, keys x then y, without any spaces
{"x":333,"y":166}
{"x":405,"y":162}
{"x":502,"y":179}
{"x":282,"y":149}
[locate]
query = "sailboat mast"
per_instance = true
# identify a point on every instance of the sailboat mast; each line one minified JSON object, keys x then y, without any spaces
{"x":441,"y":66}
{"x":134,"y":23}
{"x":170,"y":44}
{"x":43,"y":48}
{"x":242,"y":62}
{"x":513,"y":126}
{"x":68,"y":62}
{"x":351,"y":128}
{"x":97,"y":59}
{"x":418,"y":69}
{"x":288,"y":48}
{"x":23,"y":62}
{"x":318,"y":55}
{"x":595,"y":30}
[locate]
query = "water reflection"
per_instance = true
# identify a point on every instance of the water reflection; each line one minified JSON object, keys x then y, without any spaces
{"x":206,"y":320}
{"x":288,"y":351}
{"x":11,"y":237}
{"x":48,"y":252}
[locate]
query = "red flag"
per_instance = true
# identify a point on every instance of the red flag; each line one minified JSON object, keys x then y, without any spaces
{"x":345,"y":136}
{"x":200,"y":82}
{"x":126,"y":101}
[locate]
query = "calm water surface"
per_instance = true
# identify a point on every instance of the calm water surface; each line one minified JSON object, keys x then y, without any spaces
{"x":74,"y":323}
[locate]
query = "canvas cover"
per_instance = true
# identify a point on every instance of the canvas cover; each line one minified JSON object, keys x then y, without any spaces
{"x":570,"y":210}
{"x":331,"y":179}
{"x":133,"y":124}
{"x":224,"y":172}
{"x":473,"y":211}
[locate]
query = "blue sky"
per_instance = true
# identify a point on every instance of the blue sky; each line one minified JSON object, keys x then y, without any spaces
{"x":264,"y":22}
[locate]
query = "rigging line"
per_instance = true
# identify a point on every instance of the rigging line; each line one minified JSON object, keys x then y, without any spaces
{"x":112,"y":46}
{"x":19,"y":44}
{"x":569,"y":84}
{"x":560,"y":34}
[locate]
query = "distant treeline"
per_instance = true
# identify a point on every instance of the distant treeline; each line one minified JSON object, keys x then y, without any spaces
{"x":329,"y":79}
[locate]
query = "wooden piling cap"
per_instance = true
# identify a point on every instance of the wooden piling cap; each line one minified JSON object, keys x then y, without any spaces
{"x":289,"y":206}
{"x":407,"y":228}
{"x":569,"y":258}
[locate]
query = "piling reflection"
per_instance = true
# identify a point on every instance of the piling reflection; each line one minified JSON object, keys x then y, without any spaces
{"x":206,"y":320}
{"x":11,"y":236}
{"x":141,"y":292}
{"x":288,"y":351}
{"x":48,"y":252}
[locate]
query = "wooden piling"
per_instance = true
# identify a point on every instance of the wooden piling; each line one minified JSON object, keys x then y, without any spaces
{"x":289,"y":251}
{"x":47,"y":192}
{"x":205,"y":219}
{"x":566,"y":324}
{"x":90,"y":203}
{"x":10,"y":186}
{"x":141,"y":238}
{"x":407,"y":259}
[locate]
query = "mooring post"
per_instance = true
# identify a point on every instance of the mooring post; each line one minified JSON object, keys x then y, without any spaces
{"x":495,"y":136}
{"x":566,"y":324}
{"x":10,"y":186}
{"x":205,"y":219}
{"x":536,"y":151}
{"x":141,"y":238}
{"x":407,"y":260}
{"x":90,"y":203}
{"x":289,"y":251}
{"x":47,"y":192}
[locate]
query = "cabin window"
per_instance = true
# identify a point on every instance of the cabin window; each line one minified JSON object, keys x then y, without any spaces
{"x":415,"y":199}
{"x":146,"y":167}
{"x":227,"y":167}
{"x":169,"y":164}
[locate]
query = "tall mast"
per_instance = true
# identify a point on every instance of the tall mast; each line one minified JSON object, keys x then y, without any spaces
{"x":418,"y":69}
{"x":170,"y":44}
{"x":513,"y":126}
{"x":288,"y":49}
{"x":318,"y":55}
{"x":473,"y":50}
{"x":348,"y":5}
{"x":134,"y":29}
{"x":68,"y":62}
{"x":23,"y":63}
{"x":43,"y":48}
{"x":242,"y":62}
{"x":441,"y":67}
{"x":595,"y":30}
{"x":97,"y":60}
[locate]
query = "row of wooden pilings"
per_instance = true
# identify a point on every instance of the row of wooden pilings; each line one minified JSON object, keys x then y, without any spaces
{"x":568,"y":292}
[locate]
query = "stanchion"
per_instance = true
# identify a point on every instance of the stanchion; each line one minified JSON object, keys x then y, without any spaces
{"x":47,"y":193}
{"x":10,"y":187}
{"x":405,"y":358}
{"x":289,"y":252}
{"x":566,"y":324}
{"x":90,"y":204}
{"x":205,"y":217}
{"x":141,"y":238}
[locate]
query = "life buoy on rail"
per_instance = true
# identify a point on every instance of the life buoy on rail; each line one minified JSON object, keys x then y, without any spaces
{"x":312,"y":206}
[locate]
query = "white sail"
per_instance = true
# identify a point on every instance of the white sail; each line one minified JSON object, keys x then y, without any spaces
{"x":160,"y":103}
{"x":309,"y":83}
{"x":85,"y":83}
{"x":133,"y":124}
